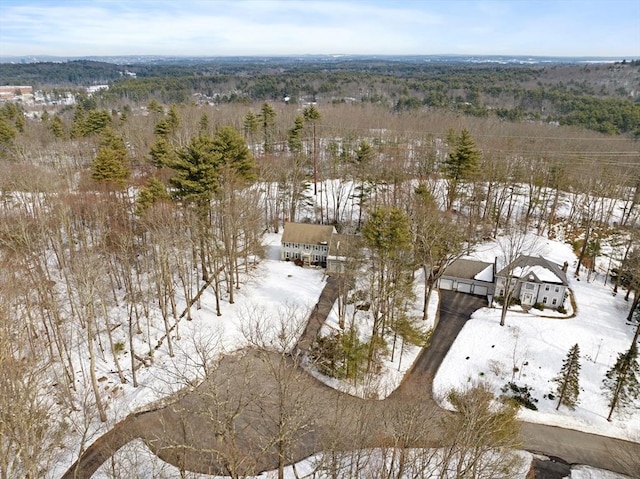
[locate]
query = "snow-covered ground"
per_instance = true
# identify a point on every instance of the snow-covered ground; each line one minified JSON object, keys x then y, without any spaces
{"x":392,"y":371}
{"x":278,"y":292}
{"x":535,"y":345}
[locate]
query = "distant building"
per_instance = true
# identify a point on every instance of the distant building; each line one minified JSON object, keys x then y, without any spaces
{"x":16,"y":92}
{"x":318,"y":245}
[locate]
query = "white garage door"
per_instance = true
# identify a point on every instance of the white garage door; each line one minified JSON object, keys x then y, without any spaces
{"x":464,"y":287}
{"x":446,"y":284}
{"x":480,"y":290}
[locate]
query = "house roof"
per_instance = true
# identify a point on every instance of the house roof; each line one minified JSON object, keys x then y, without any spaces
{"x":307,"y":233}
{"x":543,"y":270}
{"x":468,"y":269}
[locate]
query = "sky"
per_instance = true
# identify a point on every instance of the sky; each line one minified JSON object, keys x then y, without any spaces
{"x":598,"y":28}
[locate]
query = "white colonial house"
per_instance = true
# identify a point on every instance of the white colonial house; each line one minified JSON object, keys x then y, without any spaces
{"x":534,"y":280}
{"x":306,"y":242}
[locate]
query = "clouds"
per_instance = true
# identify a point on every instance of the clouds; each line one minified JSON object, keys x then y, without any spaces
{"x":266,"y":27}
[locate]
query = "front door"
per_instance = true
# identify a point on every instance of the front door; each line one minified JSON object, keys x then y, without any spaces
{"x":527,"y":298}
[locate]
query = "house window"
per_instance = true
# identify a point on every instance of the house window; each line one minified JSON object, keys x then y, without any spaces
{"x":555,"y":301}
{"x":546,"y":287}
{"x":529,"y":286}
{"x":557,"y":289}
{"x":544,"y":300}
{"x":286,"y":255}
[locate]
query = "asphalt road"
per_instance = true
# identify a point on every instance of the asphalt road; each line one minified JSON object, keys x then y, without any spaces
{"x":190,"y":433}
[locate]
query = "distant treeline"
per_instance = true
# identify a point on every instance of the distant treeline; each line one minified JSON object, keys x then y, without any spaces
{"x":603,"y":98}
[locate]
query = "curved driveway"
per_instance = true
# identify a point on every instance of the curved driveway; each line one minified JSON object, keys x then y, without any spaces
{"x":574,"y":447}
{"x":191,"y":434}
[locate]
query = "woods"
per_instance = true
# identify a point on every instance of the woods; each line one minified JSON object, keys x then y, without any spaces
{"x":114,"y":225}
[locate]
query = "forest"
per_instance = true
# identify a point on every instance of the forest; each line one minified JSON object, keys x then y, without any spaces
{"x":119,"y":213}
{"x":600,"y":97}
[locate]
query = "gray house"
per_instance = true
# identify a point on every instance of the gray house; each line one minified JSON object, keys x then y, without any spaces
{"x":534,"y":280}
{"x":306,"y":242}
{"x":468,"y":276}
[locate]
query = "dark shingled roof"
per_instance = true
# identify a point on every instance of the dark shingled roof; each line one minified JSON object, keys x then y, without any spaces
{"x":465,"y":268}
{"x":530,"y":261}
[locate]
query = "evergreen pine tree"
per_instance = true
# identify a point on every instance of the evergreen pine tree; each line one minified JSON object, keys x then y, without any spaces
{"x":19,"y":122}
{"x":267,"y":120}
{"x":173,"y":117}
{"x":79,"y":119}
{"x":250,"y":124}
{"x":312,"y":115}
{"x":203,"y":124}
{"x":162,"y":152}
{"x":295,"y":136}
{"x":568,"y":379}
{"x":233,"y":153}
{"x":621,"y":384}
{"x":162,"y":128}
{"x":153,"y":192}
{"x":7,"y":132}
{"x":196,"y":177}
{"x":155,"y":106}
{"x":111,"y":163}
{"x":56,"y":127}
{"x":96,"y":121}
{"x":460,"y":163}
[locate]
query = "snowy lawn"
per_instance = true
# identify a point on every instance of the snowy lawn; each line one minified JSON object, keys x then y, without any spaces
{"x":275,"y":292}
{"x":530,"y":349}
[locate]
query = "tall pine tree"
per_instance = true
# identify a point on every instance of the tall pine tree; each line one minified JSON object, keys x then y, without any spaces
{"x":267,"y":119}
{"x":312,"y":115}
{"x":111,"y":164}
{"x":568,"y":380}
{"x":621,"y":384}
{"x":460,"y":164}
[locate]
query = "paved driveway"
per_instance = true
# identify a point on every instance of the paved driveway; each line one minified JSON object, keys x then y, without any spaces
{"x":574,"y":447}
{"x":184,"y":432}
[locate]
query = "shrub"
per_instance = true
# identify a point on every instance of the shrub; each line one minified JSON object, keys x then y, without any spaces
{"x":118,"y":347}
{"x":521,"y":395}
{"x":513,"y":302}
{"x":340,"y":355}
{"x":539,"y":306}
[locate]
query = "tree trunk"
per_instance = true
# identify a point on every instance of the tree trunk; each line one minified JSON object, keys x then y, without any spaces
{"x":92,"y":371}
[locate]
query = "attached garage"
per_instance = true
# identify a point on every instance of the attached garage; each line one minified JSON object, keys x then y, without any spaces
{"x":446,"y":284}
{"x":480,"y":290}
{"x":468,"y":276}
